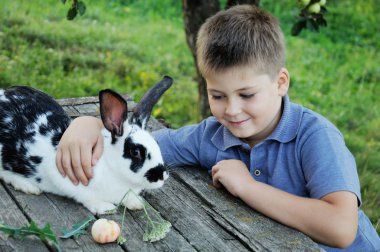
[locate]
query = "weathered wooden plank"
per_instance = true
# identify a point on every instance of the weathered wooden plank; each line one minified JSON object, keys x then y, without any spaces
{"x":62,"y":212}
{"x":248,"y":225}
{"x":10,"y":214}
{"x":136,"y":225}
{"x":154,"y":124}
{"x":73,"y":212}
{"x":187,"y":214}
{"x":89,"y":106}
{"x":88,"y":109}
{"x":85,"y":100}
{"x":59,"y":213}
{"x":73,"y":113}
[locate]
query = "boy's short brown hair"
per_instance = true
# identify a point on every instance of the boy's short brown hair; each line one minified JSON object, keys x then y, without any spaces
{"x":243,"y":35}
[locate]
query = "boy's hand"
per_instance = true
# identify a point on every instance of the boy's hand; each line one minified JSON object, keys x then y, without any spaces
{"x":233,"y":175}
{"x":79,"y":149}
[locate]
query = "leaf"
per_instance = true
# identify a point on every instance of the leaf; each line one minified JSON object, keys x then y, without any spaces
{"x":312,"y":25}
{"x":63,"y":1}
{"x":77,"y":229}
{"x":72,"y":13}
{"x":45,"y":234}
{"x":323,"y":10}
{"x":297,"y":27}
{"x":81,"y":7}
{"x":322,"y":22}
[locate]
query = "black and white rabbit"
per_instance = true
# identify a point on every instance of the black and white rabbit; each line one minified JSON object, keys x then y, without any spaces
{"x":32,"y":123}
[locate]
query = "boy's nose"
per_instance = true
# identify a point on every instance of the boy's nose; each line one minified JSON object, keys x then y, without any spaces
{"x":232,"y":108}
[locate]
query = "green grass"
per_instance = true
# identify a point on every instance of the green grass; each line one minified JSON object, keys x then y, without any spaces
{"x":128,"y":45}
{"x":113,"y":47}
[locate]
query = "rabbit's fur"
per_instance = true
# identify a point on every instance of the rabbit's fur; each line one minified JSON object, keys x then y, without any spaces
{"x":32,"y":123}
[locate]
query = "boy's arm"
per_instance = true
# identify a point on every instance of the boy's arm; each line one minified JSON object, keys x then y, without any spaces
{"x":182,"y":147}
{"x":331,"y":220}
{"x":79,"y":148}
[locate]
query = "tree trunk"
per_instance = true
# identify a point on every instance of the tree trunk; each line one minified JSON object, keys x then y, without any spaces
{"x":195,"y":13}
{"x":231,"y":3}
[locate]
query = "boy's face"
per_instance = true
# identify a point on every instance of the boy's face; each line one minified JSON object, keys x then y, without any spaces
{"x":247,"y":103}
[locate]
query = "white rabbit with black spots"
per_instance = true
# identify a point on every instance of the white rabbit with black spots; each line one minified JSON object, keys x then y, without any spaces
{"x":32,"y":123}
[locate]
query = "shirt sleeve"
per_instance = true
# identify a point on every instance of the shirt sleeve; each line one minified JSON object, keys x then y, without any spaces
{"x":328,"y":165}
{"x":180,"y":147}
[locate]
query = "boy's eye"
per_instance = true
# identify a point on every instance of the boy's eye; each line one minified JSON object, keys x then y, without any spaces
{"x":246,"y":96}
{"x":216,"y":97}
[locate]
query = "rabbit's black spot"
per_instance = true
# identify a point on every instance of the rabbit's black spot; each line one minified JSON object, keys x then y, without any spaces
{"x":56,"y":138}
{"x":135,"y":152}
{"x":35,"y":159}
{"x":149,"y":157}
{"x":27,"y":114}
{"x":7,"y":167}
{"x":38,"y":180}
{"x":15,"y":159}
{"x":51,"y":128}
{"x":155,"y":174}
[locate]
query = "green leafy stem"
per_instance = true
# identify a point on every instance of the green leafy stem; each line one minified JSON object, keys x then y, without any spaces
{"x":77,"y":229}
{"x":157,"y":227}
{"x":45,"y":233}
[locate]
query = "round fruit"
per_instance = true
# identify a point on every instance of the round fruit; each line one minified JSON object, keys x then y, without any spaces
{"x":314,"y":8}
{"x":105,"y":231}
{"x":304,"y":2}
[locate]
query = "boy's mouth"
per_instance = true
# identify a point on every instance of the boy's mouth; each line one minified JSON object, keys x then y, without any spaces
{"x":237,"y":123}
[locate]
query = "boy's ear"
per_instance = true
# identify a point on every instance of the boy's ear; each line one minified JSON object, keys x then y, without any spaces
{"x":283,"y":80}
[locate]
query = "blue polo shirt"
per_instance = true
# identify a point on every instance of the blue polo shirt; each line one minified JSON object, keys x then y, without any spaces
{"x":305,"y":155}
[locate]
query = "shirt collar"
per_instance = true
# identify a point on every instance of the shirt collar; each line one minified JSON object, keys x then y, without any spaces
{"x":285,"y":131}
{"x":223,"y":139}
{"x":289,"y":124}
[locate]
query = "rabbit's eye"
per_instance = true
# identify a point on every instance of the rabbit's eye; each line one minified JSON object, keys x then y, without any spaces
{"x":135,"y":153}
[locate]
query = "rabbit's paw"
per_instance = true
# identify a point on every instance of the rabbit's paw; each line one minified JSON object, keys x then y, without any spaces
{"x":134,"y":202}
{"x":21,"y":183}
{"x":100,"y":207}
{"x":27,"y":188}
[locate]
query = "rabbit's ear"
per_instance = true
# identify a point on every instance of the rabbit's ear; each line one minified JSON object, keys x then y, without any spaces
{"x":113,"y":111}
{"x":142,"y":111}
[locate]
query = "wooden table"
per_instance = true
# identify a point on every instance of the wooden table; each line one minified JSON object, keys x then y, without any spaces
{"x":203,"y":218}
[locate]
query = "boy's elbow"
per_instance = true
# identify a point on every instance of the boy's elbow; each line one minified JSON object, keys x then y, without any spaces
{"x":344,"y":242}
{"x":345,"y":236}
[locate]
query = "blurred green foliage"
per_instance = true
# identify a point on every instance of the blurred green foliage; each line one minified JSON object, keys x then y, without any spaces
{"x":116,"y":44}
{"x":128,"y":45}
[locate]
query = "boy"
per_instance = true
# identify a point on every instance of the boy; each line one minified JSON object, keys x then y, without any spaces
{"x":280,"y":158}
